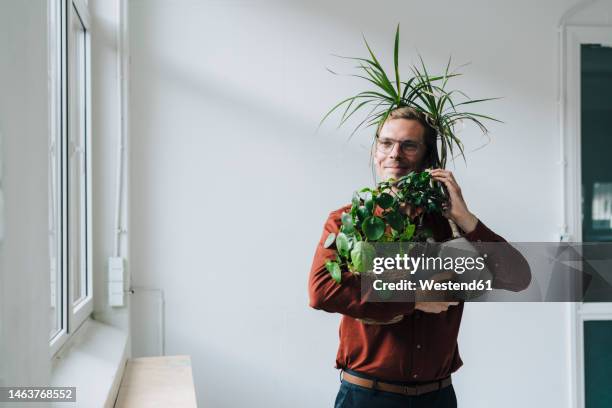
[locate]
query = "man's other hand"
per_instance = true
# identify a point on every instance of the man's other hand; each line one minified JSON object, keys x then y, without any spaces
{"x":434,"y":307}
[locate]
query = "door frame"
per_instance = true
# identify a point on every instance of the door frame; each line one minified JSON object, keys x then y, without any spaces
{"x":572,"y":37}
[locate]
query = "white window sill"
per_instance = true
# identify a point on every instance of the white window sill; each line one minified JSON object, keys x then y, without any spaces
{"x":92,"y":361}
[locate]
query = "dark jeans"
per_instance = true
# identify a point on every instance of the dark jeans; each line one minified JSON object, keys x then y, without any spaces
{"x":354,"y":396}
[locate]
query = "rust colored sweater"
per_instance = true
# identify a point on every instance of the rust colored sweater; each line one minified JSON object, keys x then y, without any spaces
{"x":422,"y":346}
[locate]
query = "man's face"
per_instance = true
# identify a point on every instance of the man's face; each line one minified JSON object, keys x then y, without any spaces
{"x":400,"y":148}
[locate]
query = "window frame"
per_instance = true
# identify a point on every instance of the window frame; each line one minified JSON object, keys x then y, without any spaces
{"x":572,"y":37}
{"x":61,"y":14}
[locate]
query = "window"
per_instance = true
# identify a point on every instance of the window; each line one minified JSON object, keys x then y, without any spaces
{"x":69,"y":169}
{"x":595,"y":146}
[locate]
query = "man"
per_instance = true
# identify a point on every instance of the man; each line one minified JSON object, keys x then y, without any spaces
{"x":408,"y":363}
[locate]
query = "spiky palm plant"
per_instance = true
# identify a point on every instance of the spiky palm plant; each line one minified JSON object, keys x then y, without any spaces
{"x":422,"y":92}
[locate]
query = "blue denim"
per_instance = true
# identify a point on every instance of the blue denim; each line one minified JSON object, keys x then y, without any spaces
{"x":354,"y":396}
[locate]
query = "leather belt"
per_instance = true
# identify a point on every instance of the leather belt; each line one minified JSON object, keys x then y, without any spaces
{"x":409,"y":390}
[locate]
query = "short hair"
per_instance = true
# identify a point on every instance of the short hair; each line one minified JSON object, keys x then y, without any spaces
{"x":430,"y":136}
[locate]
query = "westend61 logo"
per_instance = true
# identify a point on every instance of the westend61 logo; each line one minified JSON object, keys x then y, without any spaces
{"x":428,"y":263}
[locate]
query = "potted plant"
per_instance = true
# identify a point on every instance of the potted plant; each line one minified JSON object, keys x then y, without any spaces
{"x":376,"y":214}
{"x":391,"y":212}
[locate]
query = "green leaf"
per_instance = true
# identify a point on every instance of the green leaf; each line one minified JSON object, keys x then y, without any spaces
{"x":330,"y":240}
{"x":387,"y":237}
{"x":347,"y":223}
{"x":363,"y":213}
{"x":351,"y":241}
{"x":369,"y":204}
{"x":378,"y":73}
{"x":384,"y":200}
{"x":408,"y":232}
{"x":355,"y":200}
{"x":334,"y":108}
{"x":362,"y":256}
{"x":395,"y":220}
{"x":342,"y":244}
{"x":373,"y":227}
{"x":396,"y":62}
{"x":334,"y":270}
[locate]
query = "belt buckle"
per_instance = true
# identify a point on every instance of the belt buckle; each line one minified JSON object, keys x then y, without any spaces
{"x":411,"y":390}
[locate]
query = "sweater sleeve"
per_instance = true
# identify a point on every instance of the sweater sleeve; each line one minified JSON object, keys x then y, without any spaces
{"x":345,"y":298}
{"x":509,"y":268}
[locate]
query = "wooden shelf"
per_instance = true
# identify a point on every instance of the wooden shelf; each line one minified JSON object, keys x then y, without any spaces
{"x":157,"y":382}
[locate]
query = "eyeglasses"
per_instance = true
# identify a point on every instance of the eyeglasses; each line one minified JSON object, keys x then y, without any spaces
{"x":407,"y":146}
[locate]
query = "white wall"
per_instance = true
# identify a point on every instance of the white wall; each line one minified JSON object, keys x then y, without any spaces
{"x":24,"y":258}
{"x":230,"y":185}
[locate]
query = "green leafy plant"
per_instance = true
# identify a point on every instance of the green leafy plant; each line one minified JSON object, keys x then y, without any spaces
{"x":426,"y":93}
{"x":381,"y":215}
